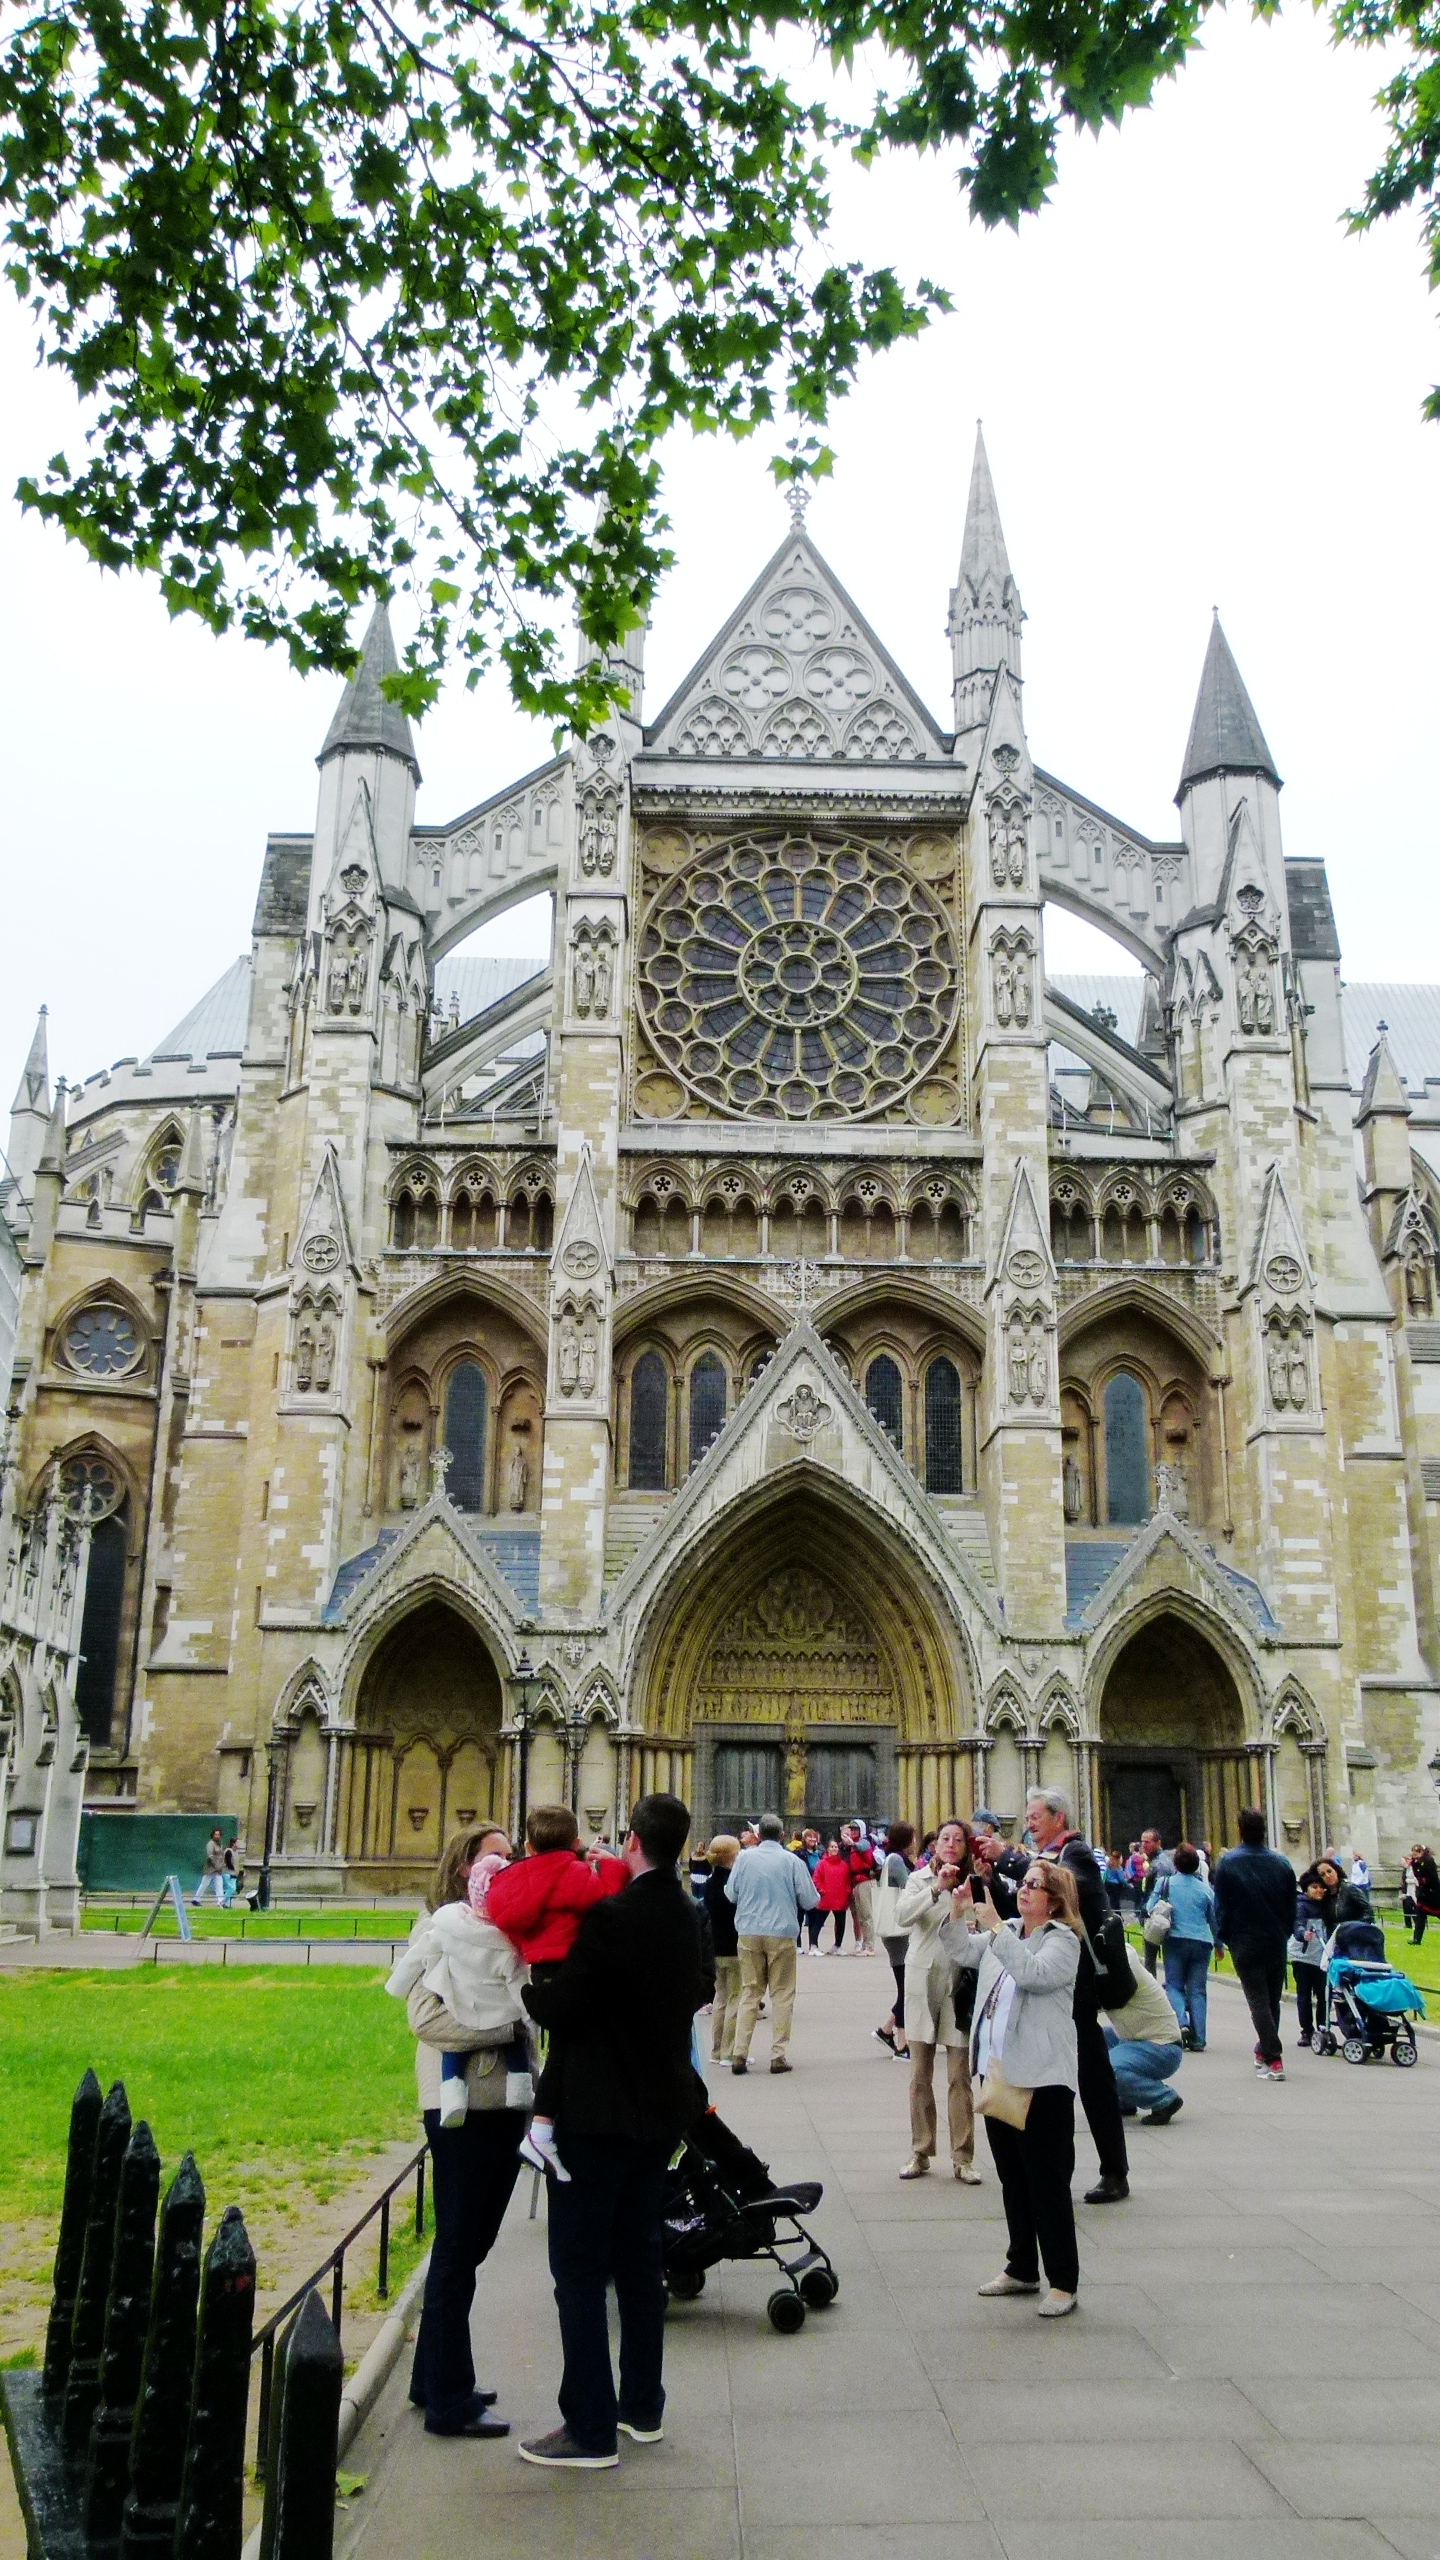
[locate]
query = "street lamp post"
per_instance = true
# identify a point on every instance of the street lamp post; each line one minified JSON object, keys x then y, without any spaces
{"x":524,"y":1677}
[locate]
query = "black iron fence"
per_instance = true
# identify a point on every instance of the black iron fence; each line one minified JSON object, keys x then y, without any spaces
{"x":129,"y":2442}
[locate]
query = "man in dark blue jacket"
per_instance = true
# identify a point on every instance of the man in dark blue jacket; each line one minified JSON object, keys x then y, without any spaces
{"x":1254,"y":1915}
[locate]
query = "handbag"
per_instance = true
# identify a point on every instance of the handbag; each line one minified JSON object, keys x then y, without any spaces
{"x":999,"y":2097}
{"x":432,"y":2023}
{"x":1109,"y":1952}
{"x":1158,"y":1923}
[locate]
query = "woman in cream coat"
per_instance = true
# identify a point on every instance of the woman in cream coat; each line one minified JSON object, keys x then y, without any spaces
{"x":930,"y":2020}
{"x":1024,"y":2031}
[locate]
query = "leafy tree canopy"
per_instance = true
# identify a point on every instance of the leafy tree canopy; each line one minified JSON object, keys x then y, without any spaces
{"x":363,"y":294}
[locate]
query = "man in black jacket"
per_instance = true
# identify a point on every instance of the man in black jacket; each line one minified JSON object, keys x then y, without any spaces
{"x":1255,"y":1895}
{"x":620,"y":2010}
{"x":1047,"y":1819}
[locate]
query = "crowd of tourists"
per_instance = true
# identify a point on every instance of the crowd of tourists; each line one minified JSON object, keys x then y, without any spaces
{"x":558,"y":1998}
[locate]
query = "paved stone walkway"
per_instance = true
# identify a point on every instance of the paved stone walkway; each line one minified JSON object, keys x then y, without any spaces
{"x":1255,"y":2365}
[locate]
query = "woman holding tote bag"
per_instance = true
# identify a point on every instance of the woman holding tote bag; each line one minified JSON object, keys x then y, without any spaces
{"x":1022,"y":2049}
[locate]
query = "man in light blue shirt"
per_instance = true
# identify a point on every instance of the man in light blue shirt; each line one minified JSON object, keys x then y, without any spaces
{"x":769,"y":1887}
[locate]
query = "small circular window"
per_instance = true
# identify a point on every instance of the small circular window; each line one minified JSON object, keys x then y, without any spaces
{"x":102,"y":1341}
{"x":92,"y":1477}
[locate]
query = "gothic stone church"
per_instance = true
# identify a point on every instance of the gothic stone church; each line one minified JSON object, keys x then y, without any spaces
{"x":787,"y":1349}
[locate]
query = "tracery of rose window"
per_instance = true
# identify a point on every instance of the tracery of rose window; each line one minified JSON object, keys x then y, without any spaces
{"x":798,"y":977}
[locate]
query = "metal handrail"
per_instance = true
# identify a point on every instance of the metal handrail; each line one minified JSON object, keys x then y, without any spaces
{"x":264,"y":2341}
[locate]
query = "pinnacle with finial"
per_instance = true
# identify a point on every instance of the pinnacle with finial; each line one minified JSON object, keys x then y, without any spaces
{"x":797,"y":498}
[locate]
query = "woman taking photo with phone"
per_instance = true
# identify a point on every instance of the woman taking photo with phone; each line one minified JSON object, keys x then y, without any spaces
{"x":1022,"y":2050}
{"x":937,"y":2009}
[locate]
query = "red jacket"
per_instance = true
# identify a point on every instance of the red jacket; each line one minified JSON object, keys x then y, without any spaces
{"x":540,"y":1902}
{"x":832,"y":1882}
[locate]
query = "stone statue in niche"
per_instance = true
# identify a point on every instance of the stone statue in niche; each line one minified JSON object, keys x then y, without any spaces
{"x":1277,"y":1370}
{"x":1021,"y":984}
{"x":305,"y":1351}
{"x":337,"y":984}
{"x":1299,"y":1369}
{"x":1073,"y":1486}
{"x":1255,"y":997}
{"x":1419,"y":1285}
{"x":517,"y":1477}
{"x":412,"y":1474}
{"x":1019,"y":1365}
{"x":1010,"y":980}
{"x":324,"y":1352}
{"x":599,"y":825}
{"x":582,"y":977}
{"x":589,"y":1357}
{"x":1038,"y":1366}
{"x":604,"y":970}
{"x":568,"y":1355}
{"x":1008,"y":822}
{"x":1172,"y":1494}
{"x":797,"y":1771}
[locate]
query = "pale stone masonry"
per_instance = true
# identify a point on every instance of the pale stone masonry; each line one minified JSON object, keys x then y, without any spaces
{"x":787,"y":1348}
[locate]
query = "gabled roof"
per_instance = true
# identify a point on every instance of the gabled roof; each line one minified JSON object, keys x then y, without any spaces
{"x":797,"y":675}
{"x":365,"y":716}
{"x":1225,"y":736}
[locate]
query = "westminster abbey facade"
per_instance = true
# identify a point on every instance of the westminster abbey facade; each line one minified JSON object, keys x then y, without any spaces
{"x":788,"y":1348}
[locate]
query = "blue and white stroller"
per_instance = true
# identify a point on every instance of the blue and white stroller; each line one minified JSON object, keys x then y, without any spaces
{"x":1373,"y":2007}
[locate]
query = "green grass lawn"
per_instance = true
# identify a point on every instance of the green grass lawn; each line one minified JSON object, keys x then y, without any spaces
{"x":239,"y":1922}
{"x":284,"y":2084}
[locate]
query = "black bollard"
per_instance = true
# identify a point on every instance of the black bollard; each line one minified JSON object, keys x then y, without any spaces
{"x":70,"y":2248}
{"x":299,"y":2519}
{"x":87,"y":2334}
{"x":157,"y":2449}
{"x":210,"y":2525}
{"x":126,"y":2322}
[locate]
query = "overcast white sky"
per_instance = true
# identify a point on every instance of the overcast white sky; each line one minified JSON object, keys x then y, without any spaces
{"x":1196,"y":389}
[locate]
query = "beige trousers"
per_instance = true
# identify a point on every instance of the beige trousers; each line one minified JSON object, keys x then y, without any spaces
{"x":862,"y":1904}
{"x":726,"y":2007}
{"x":766,"y":1964}
{"x":959,"y":2100}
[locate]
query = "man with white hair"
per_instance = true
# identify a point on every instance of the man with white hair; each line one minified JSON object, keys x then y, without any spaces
{"x":769,"y":1887}
{"x":1047,"y":1819}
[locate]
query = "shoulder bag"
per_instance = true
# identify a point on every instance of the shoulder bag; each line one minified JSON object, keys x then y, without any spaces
{"x":1109,"y":1952}
{"x":999,"y":2097}
{"x":1158,"y":1923}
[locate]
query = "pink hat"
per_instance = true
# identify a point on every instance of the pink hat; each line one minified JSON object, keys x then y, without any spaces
{"x":482,"y":1876}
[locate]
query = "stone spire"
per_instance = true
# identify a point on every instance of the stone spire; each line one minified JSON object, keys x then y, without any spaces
{"x":30,"y":1110}
{"x":985,"y":608}
{"x":52,"y":1153}
{"x":366,"y":719}
{"x":1225,"y":736}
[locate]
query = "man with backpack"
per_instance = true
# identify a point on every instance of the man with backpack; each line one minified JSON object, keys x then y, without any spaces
{"x":1047,"y":1820}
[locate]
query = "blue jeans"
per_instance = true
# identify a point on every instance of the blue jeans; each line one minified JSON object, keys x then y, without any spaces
{"x":1141,"y":2070}
{"x":1187,"y":1966}
{"x":605,"y":2227}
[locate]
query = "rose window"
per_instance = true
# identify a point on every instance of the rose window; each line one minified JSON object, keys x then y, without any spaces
{"x":90,"y":1488}
{"x":102,"y":1341}
{"x":794,"y":978}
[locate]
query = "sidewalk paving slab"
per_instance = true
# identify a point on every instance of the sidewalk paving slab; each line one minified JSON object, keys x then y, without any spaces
{"x":1174,"y":2411}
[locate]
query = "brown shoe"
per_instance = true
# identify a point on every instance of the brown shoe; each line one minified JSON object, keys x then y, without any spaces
{"x":780,"y":2063}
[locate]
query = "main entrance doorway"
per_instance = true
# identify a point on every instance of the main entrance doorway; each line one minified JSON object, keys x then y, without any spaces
{"x":804,"y":1670}
{"x":1172,"y":1741}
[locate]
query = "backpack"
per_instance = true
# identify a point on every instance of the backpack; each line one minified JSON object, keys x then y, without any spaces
{"x":1110,"y":1955}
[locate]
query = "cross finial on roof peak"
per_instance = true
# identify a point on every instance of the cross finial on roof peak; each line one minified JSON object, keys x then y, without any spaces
{"x":797,"y":498}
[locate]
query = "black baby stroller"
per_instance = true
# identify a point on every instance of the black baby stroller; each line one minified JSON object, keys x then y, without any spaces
{"x":721,"y":2202}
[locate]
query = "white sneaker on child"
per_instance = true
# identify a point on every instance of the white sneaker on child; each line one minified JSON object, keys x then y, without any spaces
{"x":538,"y":2152}
{"x":454,"y":2101}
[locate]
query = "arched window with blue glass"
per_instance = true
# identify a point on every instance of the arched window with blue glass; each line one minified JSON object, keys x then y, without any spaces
{"x":943,"y":1470}
{"x":885,"y":1395}
{"x":649,"y":1424}
{"x":465,"y":1410}
{"x":1127,"y":1451}
{"x":707,"y":1403}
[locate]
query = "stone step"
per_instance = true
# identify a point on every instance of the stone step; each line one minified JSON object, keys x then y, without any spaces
{"x":628,"y":1523}
{"x":967,"y":1528}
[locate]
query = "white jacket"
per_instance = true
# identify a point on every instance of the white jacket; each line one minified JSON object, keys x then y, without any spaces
{"x":468,"y":1964}
{"x":929,"y":1970}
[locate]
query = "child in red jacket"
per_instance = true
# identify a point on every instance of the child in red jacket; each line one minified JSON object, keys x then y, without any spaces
{"x":538,"y":1904}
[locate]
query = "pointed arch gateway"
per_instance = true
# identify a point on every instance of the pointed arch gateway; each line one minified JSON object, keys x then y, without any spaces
{"x":804,"y":1665}
{"x":424,"y":1755}
{"x":1178,"y":1751}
